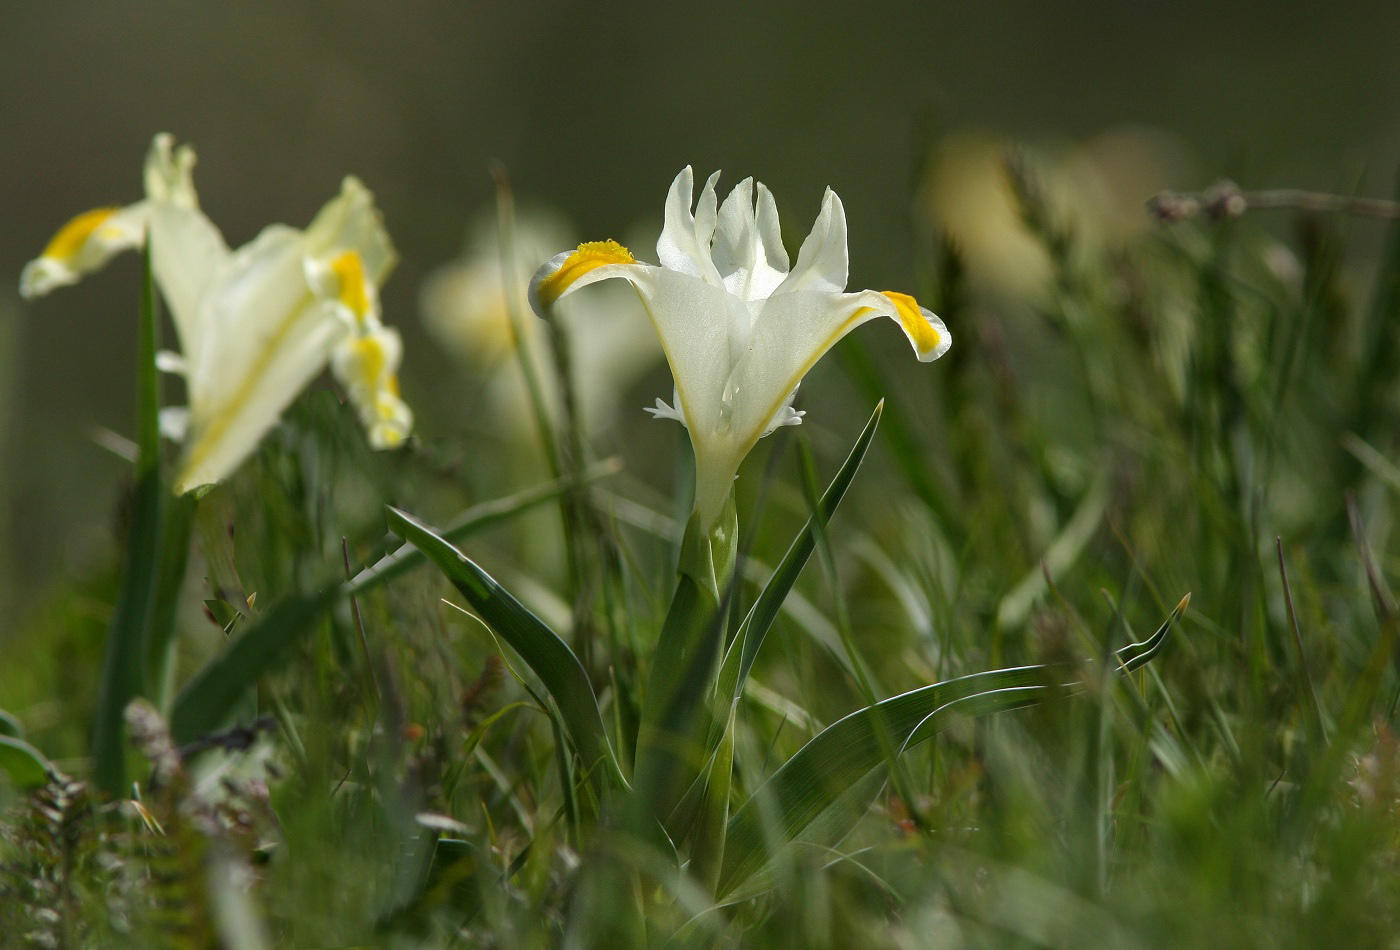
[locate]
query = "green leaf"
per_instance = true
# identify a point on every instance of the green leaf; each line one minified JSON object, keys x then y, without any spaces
{"x":10,"y":726}
{"x":206,"y":700}
{"x":841,"y":755}
{"x":672,"y":733}
{"x":262,"y":643}
{"x":548,"y":656}
{"x":124,"y":667}
{"x":743,"y":651}
{"x":23,"y":763}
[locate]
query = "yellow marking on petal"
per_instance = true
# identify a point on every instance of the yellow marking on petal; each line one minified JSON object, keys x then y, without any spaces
{"x":392,"y":384}
{"x":216,"y":427}
{"x":922,"y":332}
{"x":349,"y":271}
{"x":68,"y":243}
{"x":590,"y":256}
{"x":369,"y":360}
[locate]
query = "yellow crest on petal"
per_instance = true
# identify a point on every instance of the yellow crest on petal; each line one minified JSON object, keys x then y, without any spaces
{"x":68,"y":243}
{"x":369,"y":361}
{"x":353,"y":293}
{"x":589,"y":256}
{"x":923,"y":333}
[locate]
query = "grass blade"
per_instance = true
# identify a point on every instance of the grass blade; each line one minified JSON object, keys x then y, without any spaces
{"x":548,"y":656}
{"x":206,"y":700}
{"x":844,"y":752}
{"x":23,"y":763}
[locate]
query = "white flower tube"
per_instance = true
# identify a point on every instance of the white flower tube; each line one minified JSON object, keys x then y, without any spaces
{"x":255,"y":324}
{"x":739,"y":327}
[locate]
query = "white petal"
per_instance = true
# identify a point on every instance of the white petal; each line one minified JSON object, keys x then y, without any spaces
{"x":168,"y":361}
{"x":770,"y":232}
{"x":925,"y":331}
{"x":822,"y":263}
{"x":792,"y":332}
{"x":187,"y":251}
{"x":567,"y":271}
{"x":350,"y":221}
{"x":264,"y":338}
{"x":746,"y":246}
{"x":699,"y":325}
{"x":735,"y":236}
{"x":664,"y":411}
{"x":707,"y":216}
{"x":174,"y":422}
{"x":785,"y":416}
{"x":684,"y":246}
{"x":169,"y":172}
{"x":367,"y":365}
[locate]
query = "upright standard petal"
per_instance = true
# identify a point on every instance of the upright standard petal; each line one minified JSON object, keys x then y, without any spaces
{"x":684,"y":245}
{"x":747,"y":251}
{"x":822,"y":262}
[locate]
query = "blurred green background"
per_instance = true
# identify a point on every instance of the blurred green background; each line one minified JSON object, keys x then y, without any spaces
{"x":592,"y":108}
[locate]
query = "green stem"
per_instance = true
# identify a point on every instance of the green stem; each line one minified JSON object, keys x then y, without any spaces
{"x":175,"y":530}
{"x":125,"y":669}
{"x":670,"y":747}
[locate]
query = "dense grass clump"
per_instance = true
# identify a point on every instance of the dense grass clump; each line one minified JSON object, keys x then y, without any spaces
{"x":355,"y":746}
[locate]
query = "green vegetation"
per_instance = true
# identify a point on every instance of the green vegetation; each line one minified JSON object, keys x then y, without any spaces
{"x":953,"y":695}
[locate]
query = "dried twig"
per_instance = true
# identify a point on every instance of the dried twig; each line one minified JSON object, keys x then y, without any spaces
{"x":1225,"y":200}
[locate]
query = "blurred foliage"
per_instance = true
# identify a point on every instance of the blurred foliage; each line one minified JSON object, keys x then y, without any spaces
{"x":1201,"y":406}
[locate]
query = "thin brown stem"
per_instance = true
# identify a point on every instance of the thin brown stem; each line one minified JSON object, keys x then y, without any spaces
{"x":1225,"y":199}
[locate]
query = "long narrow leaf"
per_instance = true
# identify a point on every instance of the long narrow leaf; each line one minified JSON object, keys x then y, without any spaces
{"x":204,"y":702}
{"x":844,"y":752}
{"x":24,"y":764}
{"x":124,"y":667}
{"x":744,"y":650}
{"x":540,"y":647}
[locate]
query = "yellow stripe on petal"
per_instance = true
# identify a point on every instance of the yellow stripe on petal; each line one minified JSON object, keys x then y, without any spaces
{"x":349,"y":271}
{"x":590,"y":256}
{"x":68,"y":243}
{"x":924,"y":335}
{"x":369,"y":361}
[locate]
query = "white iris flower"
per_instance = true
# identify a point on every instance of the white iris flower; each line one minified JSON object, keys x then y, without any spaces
{"x":255,"y":324}
{"x":739,"y":327}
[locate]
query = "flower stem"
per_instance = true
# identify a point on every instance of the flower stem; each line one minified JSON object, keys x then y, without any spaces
{"x":670,"y":747}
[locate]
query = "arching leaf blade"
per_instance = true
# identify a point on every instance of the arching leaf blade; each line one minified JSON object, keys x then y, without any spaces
{"x":547,"y":655}
{"x":822,"y":770}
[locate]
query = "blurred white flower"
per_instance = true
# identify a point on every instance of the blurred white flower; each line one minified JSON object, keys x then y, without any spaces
{"x":467,"y":305}
{"x":255,"y":324}
{"x":739,"y":328}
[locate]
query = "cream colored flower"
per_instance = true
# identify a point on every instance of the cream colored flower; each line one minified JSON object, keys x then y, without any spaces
{"x":255,"y":324}
{"x":739,"y":328}
{"x":467,"y":305}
